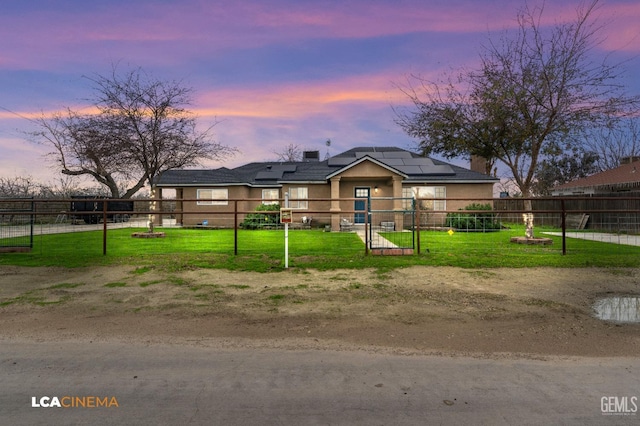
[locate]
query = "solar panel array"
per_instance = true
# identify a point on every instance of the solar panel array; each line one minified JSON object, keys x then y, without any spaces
{"x":275,"y":172}
{"x":402,"y":161}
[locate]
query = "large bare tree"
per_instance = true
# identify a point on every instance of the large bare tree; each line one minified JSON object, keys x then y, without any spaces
{"x":291,"y":152}
{"x":614,"y":145}
{"x":139,"y":129}
{"x":535,"y":94}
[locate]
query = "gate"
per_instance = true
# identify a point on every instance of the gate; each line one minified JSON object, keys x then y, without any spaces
{"x":16,"y":225}
{"x":392,"y":224}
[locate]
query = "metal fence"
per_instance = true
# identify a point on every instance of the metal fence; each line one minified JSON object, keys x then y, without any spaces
{"x":16,"y":224}
{"x":612,"y":213}
{"x":380,"y":224}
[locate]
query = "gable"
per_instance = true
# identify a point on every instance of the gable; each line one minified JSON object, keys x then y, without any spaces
{"x":365,"y":167}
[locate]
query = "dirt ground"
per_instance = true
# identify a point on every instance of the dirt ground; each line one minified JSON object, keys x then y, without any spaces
{"x":533,"y":312}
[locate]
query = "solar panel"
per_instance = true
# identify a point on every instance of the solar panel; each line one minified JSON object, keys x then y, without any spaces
{"x":396,"y":154}
{"x":393,"y":161}
{"x":372,"y":154}
{"x":340,"y":161}
{"x":285,"y":168}
{"x":269,"y":175}
{"x":410,"y":170}
{"x":423,"y":161}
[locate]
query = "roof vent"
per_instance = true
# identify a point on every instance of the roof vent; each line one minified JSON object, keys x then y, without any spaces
{"x":311,"y":156}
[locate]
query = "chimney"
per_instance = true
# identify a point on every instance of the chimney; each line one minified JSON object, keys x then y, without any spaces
{"x":480,"y":164}
{"x":309,"y":156}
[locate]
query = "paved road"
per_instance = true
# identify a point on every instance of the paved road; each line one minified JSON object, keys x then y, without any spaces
{"x":164,"y":384}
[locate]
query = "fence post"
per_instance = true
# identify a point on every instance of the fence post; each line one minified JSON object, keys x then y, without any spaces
{"x":366,"y":224}
{"x":104,"y":226}
{"x":235,"y":227}
{"x":32,"y":219}
{"x":417,"y":218}
{"x":563,"y":222}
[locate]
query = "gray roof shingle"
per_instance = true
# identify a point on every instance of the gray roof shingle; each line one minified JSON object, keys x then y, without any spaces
{"x":414,"y":166}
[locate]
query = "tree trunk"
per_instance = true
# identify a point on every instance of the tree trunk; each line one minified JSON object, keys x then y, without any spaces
{"x":528,"y":219}
{"x":152,"y":207}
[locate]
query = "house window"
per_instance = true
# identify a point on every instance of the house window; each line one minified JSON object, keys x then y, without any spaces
{"x":298,"y":193}
{"x":270,"y":196}
{"x":431,"y":197}
{"x":213,"y":197}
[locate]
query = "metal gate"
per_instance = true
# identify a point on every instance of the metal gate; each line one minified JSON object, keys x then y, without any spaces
{"x":391,"y":223}
{"x":16,"y":225}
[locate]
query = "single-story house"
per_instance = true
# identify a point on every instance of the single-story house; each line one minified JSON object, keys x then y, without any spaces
{"x":390,"y":175}
{"x":624,"y":178}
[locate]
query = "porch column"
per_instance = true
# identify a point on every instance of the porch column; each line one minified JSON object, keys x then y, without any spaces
{"x":335,"y":203}
{"x":397,"y":202}
{"x":157,"y":205}
{"x":179,"y":196}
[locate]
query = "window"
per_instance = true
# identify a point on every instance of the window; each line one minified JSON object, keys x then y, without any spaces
{"x":270,"y":196}
{"x":213,"y":197}
{"x":432,"y":197}
{"x":298,"y":193}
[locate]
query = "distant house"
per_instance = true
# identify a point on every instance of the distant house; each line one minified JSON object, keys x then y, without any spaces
{"x":388,"y":174}
{"x":624,"y":178}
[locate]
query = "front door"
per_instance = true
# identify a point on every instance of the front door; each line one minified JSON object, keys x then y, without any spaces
{"x":360,"y":205}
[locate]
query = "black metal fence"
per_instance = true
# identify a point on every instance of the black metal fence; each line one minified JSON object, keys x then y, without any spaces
{"x":398,"y":220}
{"x":16,"y":224}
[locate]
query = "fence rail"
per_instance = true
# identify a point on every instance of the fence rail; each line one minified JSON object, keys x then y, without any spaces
{"x":617,"y":215}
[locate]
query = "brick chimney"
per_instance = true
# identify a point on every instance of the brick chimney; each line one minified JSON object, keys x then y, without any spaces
{"x":480,"y":164}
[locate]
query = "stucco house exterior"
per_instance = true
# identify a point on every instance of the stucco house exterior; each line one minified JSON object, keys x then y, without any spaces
{"x":387,"y":174}
{"x":622,"y":179}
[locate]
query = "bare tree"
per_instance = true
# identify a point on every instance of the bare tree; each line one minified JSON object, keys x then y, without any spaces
{"x":614,"y":145}
{"x":83,"y":146}
{"x":18,"y":187}
{"x":141,"y":129}
{"x":534,"y":95}
{"x":291,"y":152}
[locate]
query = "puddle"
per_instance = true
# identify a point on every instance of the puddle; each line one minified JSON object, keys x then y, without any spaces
{"x":618,"y":309}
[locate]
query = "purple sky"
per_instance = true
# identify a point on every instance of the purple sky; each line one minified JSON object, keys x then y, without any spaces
{"x":272,"y":72}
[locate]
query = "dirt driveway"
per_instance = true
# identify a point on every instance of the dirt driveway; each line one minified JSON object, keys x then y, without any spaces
{"x":493,"y":312}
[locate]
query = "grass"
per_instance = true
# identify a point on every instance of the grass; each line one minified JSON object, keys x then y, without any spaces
{"x":263,"y":251}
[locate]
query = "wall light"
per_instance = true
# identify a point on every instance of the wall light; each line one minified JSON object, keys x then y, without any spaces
{"x":375,"y":189}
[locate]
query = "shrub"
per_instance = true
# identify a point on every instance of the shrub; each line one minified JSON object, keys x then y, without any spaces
{"x":474,"y":221}
{"x":262,"y":220}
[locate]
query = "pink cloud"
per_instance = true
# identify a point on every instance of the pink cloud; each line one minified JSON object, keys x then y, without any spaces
{"x":301,"y":99}
{"x":203,"y":27}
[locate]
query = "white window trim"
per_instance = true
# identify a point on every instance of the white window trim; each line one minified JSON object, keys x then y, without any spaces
{"x":439,"y":201}
{"x":268,"y":200}
{"x":301,"y":203}
{"x":216,"y":197}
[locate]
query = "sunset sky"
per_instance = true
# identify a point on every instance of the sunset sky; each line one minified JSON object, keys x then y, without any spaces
{"x":271,"y":73}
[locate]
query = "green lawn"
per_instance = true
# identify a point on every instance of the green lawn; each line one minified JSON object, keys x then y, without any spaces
{"x":264,"y":250}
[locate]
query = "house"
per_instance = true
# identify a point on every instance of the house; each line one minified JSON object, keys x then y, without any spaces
{"x":624,"y":178}
{"x":390,"y":176}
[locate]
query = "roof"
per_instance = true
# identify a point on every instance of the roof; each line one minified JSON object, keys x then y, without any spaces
{"x":411,"y":166}
{"x":625,"y":176}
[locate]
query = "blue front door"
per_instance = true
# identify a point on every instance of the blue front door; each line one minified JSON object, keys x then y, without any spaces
{"x":360,"y":205}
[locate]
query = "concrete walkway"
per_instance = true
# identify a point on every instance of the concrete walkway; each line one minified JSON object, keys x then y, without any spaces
{"x":624,"y":239}
{"x":377,"y":240}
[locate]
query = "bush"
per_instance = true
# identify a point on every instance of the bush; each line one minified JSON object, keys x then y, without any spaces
{"x":473,"y":221}
{"x":262,"y":220}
